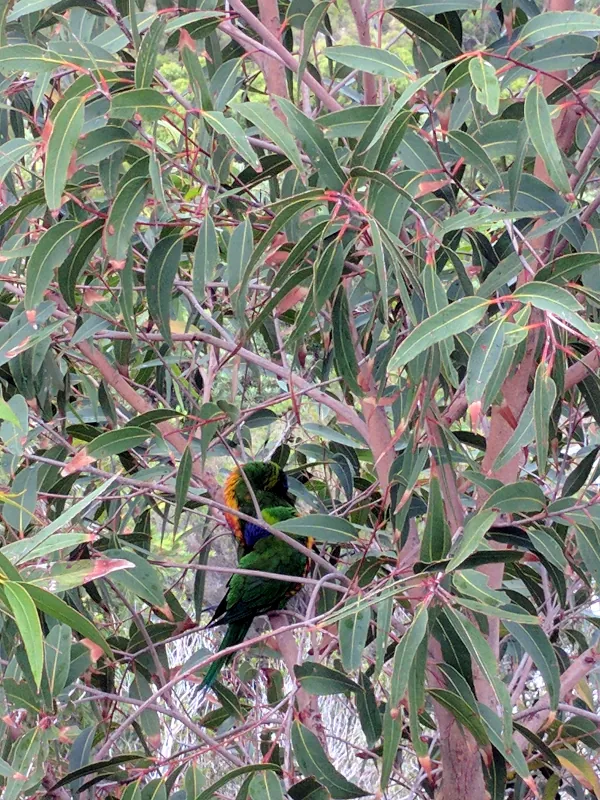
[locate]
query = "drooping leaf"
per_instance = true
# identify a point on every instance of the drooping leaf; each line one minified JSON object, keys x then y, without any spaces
{"x":539,"y":126}
{"x":270,"y":125}
{"x":473,"y":533}
{"x":450,"y":321}
{"x":66,"y":128}
{"x":234,"y":132}
{"x":352,"y":635}
{"x":322,"y":681}
{"x":28,"y":622}
{"x":211,"y":790}
{"x":161,"y":270}
{"x":544,"y":396}
{"x":373,"y":60}
{"x":536,"y":644}
{"x":143,"y":580}
{"x":321,"y":528}
{"x":148,"y":103}
{"x":50,"y":252}
{"x":486,"y":83}
{"x":314,"y":762}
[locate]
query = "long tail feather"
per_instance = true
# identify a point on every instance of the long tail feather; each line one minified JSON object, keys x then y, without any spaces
{"x":235,"y":634}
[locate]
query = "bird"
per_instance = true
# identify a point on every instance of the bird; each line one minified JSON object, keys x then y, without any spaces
{"x":250,"y":596}
{"x":269,"y":485}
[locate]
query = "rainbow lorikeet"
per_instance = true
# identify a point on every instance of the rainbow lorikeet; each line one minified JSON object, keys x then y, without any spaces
{"x":270,"y":486}
{"x":249,"y":596}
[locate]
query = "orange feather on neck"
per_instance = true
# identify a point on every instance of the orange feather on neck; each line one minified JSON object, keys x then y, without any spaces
{"x":229,"y":488}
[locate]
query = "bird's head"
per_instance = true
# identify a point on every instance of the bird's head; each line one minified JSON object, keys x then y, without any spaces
{"x":263,"y":477}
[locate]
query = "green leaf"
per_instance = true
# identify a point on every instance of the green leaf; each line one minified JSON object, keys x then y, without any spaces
{"x":266,"y":786}
{"x":536,"y":644}
{"x":106,"y":767}
{"x":558,"y":23}
{"x":57,"y":650}
{"x":313,"y":761}
{"x":239,"y":256}
{"x":484,"y":360}
{"x":285,"y":211}
{"x":11,"y":153}
{"x":322,"y":681}
{"x":577,"y":479}
{"x":24,"y":549}
{"x":29,"y":58}
{"x":28,"y":622}
{"x":368,"y":711}
{"x":315,"y":145}
{"x":433,"y":7}
{"x":473,"y":153}
{"x":148,"y":54}
{"x":567,"y":267}
{"x":57,"y":608}
{"x":79,"y":257}
{"x":509,"y":749}
{"x":125,"y":209}
{"x":111,"y":443}
{"x":312,"y":23}
{"x":40,"y":544}
{"x":450,"y":321}
{"x":556,"y":300}
{"x":161,"y":271}
{"x":23,"y":7}
{"x":143,"y":580}
{"x":544,"y":397}
{"x":150,"y":104}
{"x":352,"y":635}
{"x":521,"y":497}
{"x":485,"y":81}
{"x":473,"y":535}
{"x":541,"y":133}
{"x":206,"y":256}
{"x":211,"y":790}
{"x":385,"y":609}
{"x":182,"y":484}
{"x":344,"y":352}
{"x":404,"y":655}
{"x":503,"y":613}
{"x":392,"y":734}
{"x":327,"y":273}
{"x":149,"y":721}
{"x":431,"y":32}
{"x":480,"y":650}
{"x":233,"y":131}
{"x":436,"y":299}
{"x":588,"y":544}
{"x":580,"y":767}
{"x":66,"y":128}
{"x":50,"y":251}
{"x":462,"y":712}
{"x":18,"y":510}
{"x":66,"y":575}
{"x":522,"y":436}
{"x":321,"y":528}
{"x":102,"y":143}
{"x":373,"y":60}
{"x":269,"y":124}
{"x":436,"y":537}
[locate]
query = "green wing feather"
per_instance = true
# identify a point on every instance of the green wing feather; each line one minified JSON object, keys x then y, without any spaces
{"x":249,"y":596}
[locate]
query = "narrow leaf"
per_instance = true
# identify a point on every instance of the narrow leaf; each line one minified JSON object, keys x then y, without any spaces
{"x":28,"y":622}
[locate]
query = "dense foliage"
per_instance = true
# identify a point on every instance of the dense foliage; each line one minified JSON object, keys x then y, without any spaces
{"x":363,"y":242}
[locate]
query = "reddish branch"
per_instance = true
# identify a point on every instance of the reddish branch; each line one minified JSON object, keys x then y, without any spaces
{"x":274,"y":71}
{"x":361,"y":19}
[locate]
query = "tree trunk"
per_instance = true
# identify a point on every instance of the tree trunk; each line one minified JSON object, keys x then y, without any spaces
{"x":462,"y":773}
